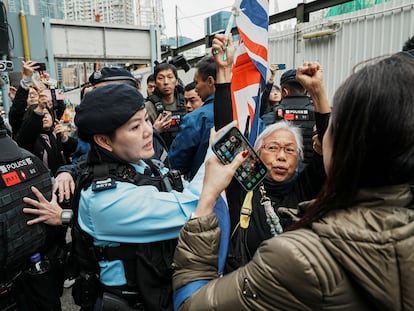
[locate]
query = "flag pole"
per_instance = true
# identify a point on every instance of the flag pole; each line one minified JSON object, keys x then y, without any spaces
{"x":234,"y":12}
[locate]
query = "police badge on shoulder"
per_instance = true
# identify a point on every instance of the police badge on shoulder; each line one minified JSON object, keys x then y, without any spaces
{"x":105,"y":184}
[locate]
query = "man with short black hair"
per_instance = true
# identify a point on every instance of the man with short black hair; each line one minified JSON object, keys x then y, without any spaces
{"x":166,"y":106}
{"x":150,"y":85}
{"x":191,"y":98}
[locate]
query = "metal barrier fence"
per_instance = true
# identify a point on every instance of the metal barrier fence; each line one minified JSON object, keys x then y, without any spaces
{"x":339,"y":43}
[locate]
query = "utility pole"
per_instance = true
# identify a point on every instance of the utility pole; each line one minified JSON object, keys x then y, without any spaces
{"x":25,"y":33}
{"x":176,"y":26}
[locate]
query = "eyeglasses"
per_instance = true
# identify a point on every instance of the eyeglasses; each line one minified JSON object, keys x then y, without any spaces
{"x":276,"y":148}
{"x":33,"y":94}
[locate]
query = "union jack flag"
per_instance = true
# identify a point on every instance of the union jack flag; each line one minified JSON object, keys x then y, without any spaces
{"x":250,"y":64}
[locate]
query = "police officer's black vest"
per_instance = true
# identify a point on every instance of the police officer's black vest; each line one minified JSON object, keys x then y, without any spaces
{"x":300,"y":111}
{"x":176,"y":116}
{"x":147,"y":265}
{"x":19,"y":170}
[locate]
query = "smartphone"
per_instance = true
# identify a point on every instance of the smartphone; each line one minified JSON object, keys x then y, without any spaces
{"x":42,"y":67}
{"x":60,"y":94}
{"x":281,"y":66}
{"x":226,"y":147}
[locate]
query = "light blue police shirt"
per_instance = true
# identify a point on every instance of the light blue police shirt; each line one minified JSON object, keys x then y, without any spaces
{"x":135,"y":214}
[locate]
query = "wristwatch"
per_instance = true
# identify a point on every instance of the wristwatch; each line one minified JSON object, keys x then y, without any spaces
{"x":66,"y":216}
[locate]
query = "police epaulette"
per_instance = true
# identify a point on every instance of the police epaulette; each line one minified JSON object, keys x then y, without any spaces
{"x":101,"y":178}
{"x":101,"y":185}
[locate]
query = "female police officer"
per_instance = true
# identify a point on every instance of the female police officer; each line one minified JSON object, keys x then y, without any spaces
{"x":130,"y":209}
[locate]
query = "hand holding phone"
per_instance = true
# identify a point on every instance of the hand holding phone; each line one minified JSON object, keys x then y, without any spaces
{"x":60,"y":94}
{"x":227,"y":146}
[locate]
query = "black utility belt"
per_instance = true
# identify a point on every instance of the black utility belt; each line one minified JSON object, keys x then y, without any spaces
{"x":121,"y":298}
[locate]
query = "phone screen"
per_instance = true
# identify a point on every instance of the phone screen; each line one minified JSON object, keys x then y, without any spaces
{"x":232,"y":142}
{"x":60,"y":94}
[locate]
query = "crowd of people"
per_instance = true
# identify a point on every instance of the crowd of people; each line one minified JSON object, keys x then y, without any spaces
{"x":150,"y":207}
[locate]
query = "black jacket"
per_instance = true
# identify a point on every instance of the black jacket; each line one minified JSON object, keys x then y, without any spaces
{"x":32,"y":137}
{"x":19,"y":107}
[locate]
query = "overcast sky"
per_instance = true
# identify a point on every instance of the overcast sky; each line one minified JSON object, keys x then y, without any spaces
{"x":191,"y":14}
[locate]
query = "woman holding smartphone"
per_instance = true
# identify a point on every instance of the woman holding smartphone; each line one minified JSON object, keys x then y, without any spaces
{"x":44,"y":136}
{"x":280,"y":147}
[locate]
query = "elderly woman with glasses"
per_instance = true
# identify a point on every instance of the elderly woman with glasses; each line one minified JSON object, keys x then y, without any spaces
{"x":280,"y":147}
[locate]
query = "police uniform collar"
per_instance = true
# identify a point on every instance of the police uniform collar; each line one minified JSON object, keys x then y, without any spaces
{"x":99,"y":155}
{"x":141,"y":167}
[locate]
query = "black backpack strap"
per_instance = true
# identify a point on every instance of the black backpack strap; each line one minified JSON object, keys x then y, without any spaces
{"x":156,"y":101}
{"x":180,"y":102}
{"x":161,"y":140}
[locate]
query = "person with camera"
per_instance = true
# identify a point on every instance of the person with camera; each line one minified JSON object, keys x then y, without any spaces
{"x":44,"y":136}
{"x":166,"y":106}
{"x":33,"y":81}
{"x":25,"y":95}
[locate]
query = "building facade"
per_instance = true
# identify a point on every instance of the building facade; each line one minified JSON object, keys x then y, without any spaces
{"x":104,"y":11}
{"x":217,"y":22}
{"x":45,"y":8}
{"x":129,"y":12}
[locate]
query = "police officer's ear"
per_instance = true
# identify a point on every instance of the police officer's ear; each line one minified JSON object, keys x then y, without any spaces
{"x":103,"y":141}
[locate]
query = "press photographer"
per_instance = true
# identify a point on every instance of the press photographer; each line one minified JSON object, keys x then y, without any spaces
{"x":166,"y":106}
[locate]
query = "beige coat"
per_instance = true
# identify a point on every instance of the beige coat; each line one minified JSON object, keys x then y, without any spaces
{"x":356,"y":259}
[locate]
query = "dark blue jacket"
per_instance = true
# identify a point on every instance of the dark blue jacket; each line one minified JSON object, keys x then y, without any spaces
{"x":189,"y":148}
